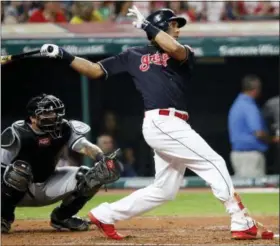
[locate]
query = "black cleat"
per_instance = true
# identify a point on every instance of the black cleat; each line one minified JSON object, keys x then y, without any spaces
{"x":72,"y":224}
{"x":5,"y":226}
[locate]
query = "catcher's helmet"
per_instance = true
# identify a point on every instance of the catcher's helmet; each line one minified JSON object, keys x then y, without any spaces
{"x":162,"y":17}
{"x":49,"y":112}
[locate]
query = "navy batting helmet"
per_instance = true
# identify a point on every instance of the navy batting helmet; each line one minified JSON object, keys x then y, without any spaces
{"x":162,"y":17}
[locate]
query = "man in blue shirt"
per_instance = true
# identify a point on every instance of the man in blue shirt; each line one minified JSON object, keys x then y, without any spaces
{"x":247,"y":131}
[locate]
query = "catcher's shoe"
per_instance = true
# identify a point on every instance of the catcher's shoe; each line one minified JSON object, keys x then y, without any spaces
{"x":5,"y":225}
{"x":252,"y":233}
{"x":108,"y":230}
{"x":72,"y":224}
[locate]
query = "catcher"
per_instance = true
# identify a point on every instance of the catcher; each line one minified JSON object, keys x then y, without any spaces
{"x":31,"y":149}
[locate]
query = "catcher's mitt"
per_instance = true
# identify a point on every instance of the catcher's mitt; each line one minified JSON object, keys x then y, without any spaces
{"x":103,"y":172}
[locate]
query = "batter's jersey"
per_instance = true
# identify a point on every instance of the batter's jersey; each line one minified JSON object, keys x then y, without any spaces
{"x":40,"y":150}
{"x":161,"y":80}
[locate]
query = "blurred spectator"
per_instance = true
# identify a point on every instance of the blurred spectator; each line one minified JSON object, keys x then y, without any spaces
{"x":271,"y":111}
{"x":11,"y":13}
{"x":16,"y":11}
{"x":155,"y":5}
{"x":128,"y":163}
{"x":110,"y":126}
{"x":123,"y":9}
{"x":178,"y":8}
{"x":247,"y":131}
{"x":79,"y":12}
{"x":214,"y":11}
{"x":256,"y":9}
{"x":107,"y":10}
{"x":275,"y":5}
{"x":195,"y":10}
{"x":230,"y":11}
{"x":84,"y":12}
{"x":264,"y":8}
{"x":49,"y":11}
{"x":106,"y":144}
{"x":25,"y":10}
{"x":2,"y":12}
{"x":143,"y":6}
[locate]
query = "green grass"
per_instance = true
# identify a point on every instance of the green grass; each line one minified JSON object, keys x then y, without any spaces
{"x":192,"y":204}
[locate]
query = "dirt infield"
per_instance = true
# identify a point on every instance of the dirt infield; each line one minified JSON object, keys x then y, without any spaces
{"x":144,"y":231}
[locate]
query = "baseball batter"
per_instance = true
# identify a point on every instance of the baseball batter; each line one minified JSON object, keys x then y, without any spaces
{"x":30,"y":152}
{"x":161,"y":72}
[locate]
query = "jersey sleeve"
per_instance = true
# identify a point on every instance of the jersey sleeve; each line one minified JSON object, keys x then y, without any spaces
{"x":115,"y":64}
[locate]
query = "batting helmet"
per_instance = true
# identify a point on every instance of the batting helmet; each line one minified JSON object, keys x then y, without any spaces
{"x":162,"y":17}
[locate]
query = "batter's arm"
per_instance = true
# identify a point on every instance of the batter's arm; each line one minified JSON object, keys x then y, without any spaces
{"x":171,"y":46}
{"x":87,"y":68}
{"x":164,"y":40}
{"x":85,"y":147}
{"x":109,"y":66}
{"x":83,"y":66}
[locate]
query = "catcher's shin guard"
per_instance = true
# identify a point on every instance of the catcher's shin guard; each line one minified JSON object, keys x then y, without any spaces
{"x":61,"y":217}
{"x":72,"y":223}
{"x":5,"y":225}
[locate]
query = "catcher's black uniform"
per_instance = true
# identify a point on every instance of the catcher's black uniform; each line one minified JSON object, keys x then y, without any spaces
{"x":28,"y":167}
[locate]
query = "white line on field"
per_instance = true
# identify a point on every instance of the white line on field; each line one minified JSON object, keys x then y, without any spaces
{"x":257,"y":190}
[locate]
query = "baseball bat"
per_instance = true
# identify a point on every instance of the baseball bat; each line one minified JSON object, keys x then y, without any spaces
{"x":5,"y":59}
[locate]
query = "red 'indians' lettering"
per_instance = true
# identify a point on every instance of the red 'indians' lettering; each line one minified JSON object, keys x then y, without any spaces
{"x":157,"y":59}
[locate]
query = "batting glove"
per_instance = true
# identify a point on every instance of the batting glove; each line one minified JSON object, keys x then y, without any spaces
{"x":51,"y":50}
{"x":140,"y":19}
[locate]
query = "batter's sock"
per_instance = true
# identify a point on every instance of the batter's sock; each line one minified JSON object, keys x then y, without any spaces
{"x":240,"y":220}
{"x":235,"y":206}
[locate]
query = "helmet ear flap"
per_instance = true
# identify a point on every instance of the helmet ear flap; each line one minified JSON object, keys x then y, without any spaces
{"x":165,"y":26}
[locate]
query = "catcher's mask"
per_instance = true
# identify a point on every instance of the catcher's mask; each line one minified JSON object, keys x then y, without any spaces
{"x":49,"y":112}
{"x":162,"y":17}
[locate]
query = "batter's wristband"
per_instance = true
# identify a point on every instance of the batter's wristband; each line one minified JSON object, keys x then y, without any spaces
{"x":151,"y":30}
{"x":67,"y":56}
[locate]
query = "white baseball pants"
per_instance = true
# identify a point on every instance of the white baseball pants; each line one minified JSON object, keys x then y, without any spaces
{"x":177,"y":147}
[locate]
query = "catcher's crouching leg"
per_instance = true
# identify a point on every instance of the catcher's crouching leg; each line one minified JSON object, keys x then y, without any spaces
{"x":15,"y":179}
{"x":62,"y":216}
{"x":89,"y":181}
